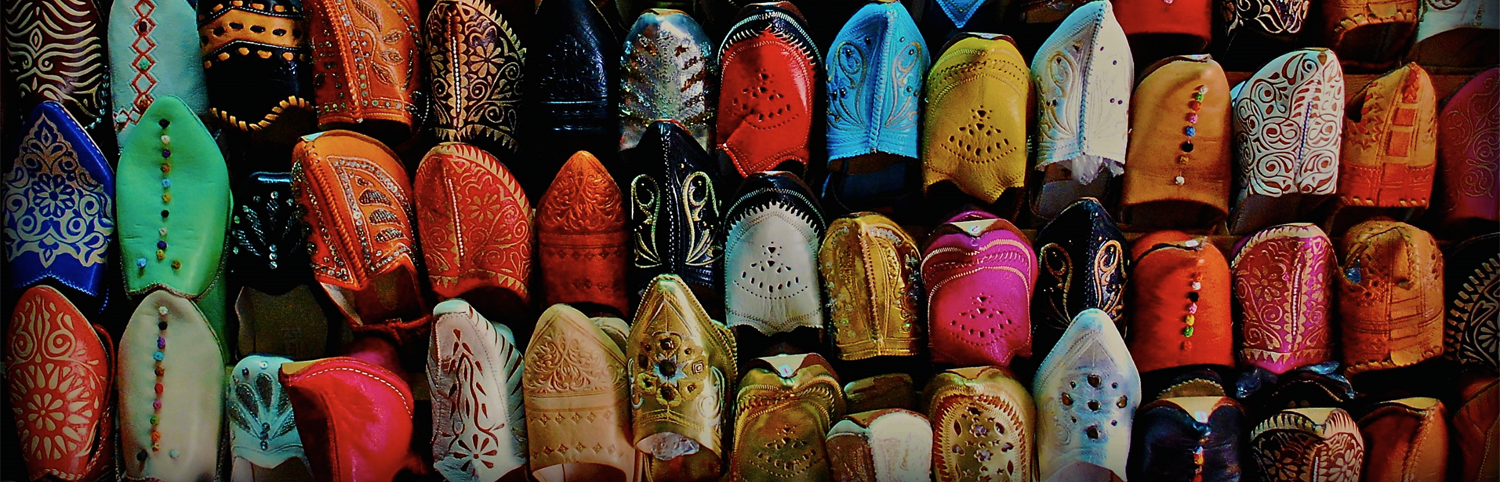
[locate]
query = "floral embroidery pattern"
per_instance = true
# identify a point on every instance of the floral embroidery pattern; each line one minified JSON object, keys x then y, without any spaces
{"x":59,"y":380}
{"x":54,"y":207}
{"x":477,"y":64}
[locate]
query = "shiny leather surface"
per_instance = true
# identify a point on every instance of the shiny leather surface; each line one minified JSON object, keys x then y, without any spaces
{"x":59,"y":376}
{"x":262,"y":427}
{"x":1469,"y":286}
{"x":1274,"y":173}
{"x":784,"y":408}
{"x":1189,"y":438}
{"x":869,"y":269}
{"x":474,"y":223}
{"x":173,"y":192}
{"x":771,"y":241}
{"x":339,"y":402}
{"x":68,"y":62}
{"x":980,"y":276}
{"x":681,"y":367}
{"x":255,"y":60}
{"x":983,"y":423}
{"x":667,"y":71}
{"x":892,"y":445}
{"x":478,"y":417}
{"x":583,"y":247}
{"x":179,"y":440}
{"x":979,"y":102}
{"x":355,"y":196}
{"x":153,"y":54}
{"x":1283,"y":283}
{"x":1389,"y":154}
{"x":367,"y":72}
{"x":1179,"y":151}
{"x":267,"y":241}
{"x":572,"y":88}
{"x":1462,"y":156}
{"x":1317,"y":385}
{"x":1476,"y":429}
{"x":1390,"y":296}
{"x":770,"y":70}
{"x":1406,"y":440}
{"x":674,"y":212}
{"x":1082,"y":105}
{"x":1179,"y":303}
{"x":1083,"y":265}
{"x":1087,"y":390}
{"x":1308,"y":444}
{"x":477,"y":62}
{"x":577,"y":400}
{"x":59,"y":205}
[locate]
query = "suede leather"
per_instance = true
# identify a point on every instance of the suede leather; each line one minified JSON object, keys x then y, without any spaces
{"x":980,"y":276}
{"x":1390,"y":287}
{"x":153,"y":54}
{"x":59,"y":205}
{"x":255,"y":60}
{"x":989,"y":417}
{"x":770,"y":69}
{"x":474,"y":371}
{"x":474,"y":223}
{"x":339,"y":402}
{"x":1179,"y":151}
{"x":1179,"y":303}
{"x":583,"y":247}
{"x":979,"y":106}
{"x":869,"y":268}
{"x":667,"y":71}
{"x":59,"y":372}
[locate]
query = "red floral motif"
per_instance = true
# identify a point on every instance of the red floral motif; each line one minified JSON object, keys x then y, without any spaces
{"x":59,"y":375}
{"x":1468,"y":147}
{"x":475,"y":222}
{"x":1282,"y":279}
{"x":582,"y":243}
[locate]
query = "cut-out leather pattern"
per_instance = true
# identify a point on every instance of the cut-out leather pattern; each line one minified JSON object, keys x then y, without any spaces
{"x":780,"y":423}
{"x":255,"y":60}
{"x":1282,"y":282}
{"x":59,"y":205}
{"x":268,"y":242}
{"x":668,"y":71}
{"x":974,"y":134}
{"x":59,"y":375}
{"x":772,"y":236}
{"x":980,"y":276}
{"x":1086,"y":394}
{"x":477,"y":64}
{"x":674,"y":212}
{"x":479,"y":421}
{"x":680,"y":363}
{"x":983,"y":427}
{"x":765,"y":115}
{"x":1292,"y":446}
{"x":56,"y":50}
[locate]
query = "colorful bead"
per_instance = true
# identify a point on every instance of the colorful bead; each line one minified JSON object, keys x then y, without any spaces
{"x":164,"y":213}
{"x":1179,"y":180}
{"x":166,"y":153}
{"x":1187,"y":331}
{"x":1193,"y":297}
{"x":161,"y":255}
{"x":160,"y":371}
{"x":176,"y":264}
{"x":156,"y":404}
{"x":1182,"y":159}
{"x":164,"y":123}
{"x":161,"y":325}
{"x":160,"y":388}
{"x":1190,"y":319}
{"x":161,"y":245}
{"x":140,"y":262}
{"x":1197,"y":286}
{"x":166,"y":139}
{"x":1190,"y":131}
{"x":1192,"y":118}
{"x":158,"y":356}
{"x":162,"y":231}
{"x":155,"y":439}
{"x":166,"y":198}
{"x":1193,"y":308}
{"x":1187,"y":146}
{"x":166,"y":183}
{"x":166,"y":168}
{"x":162,"y":310}
{"x":155,"y":420}
{"x":1195,"y":105}
{"x":161,"y":343}
{"x":1198,"y":97}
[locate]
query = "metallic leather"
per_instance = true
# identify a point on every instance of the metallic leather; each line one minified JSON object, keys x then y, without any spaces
{"x":1083,"y":97}
{"x":1300,"y":93}
{"x":1389,"y":153}
{"x":339,"y":403}
{"x":1390,"y":296}
{"x":980,"y":277}
{"x":184,"y":444}
{"x":65,"y":63}
{"x":1456,"y":36}
{"x":983,"y":422}
{"x":681,"y":367}
{"x":979,"y":103}
{"x":367,"y":72}
{"x":667,"y":71}
{"x":153,"y":54}
{"x":479,"y":420}
{"x":1406,"y":440}
{"x":1172,"y":184}
{"x":262,"y":427}
{"x":1471,"y":287}
{"x":891,"y":390}
{"x":1369,"y":34}
{"x":478,"y":65}
{"x":267,"y":241}
{"x":783,"y":410}
{"x":59,"y":375}
{"x":173,"y":203}
{"x":572,"y":88}
{"x":876,"y":66}
{"x":674,"y":213}
{"x":1186,"y":25}
{"x":771,"y":241}
{"x":1189,"y":439}
{"x":583,"y":247}
{"x":577,"y":400}
{"x":255,"y":60}
{"x":1179,"y":303}
{"x":358,"y":212}
{"x":1476,"y":430}
{"x":1083,"y":265}
{"x":769,"y":86}
{"x":1283,"y":282}
{"x":1087,"y":390}
{"x":474,"y":223}
{"x":59,"y":205}
{"x":869,"y":269}
{"x":888,"y":445}
{"x":1465,"y":161}
{"x":1304,"y":444}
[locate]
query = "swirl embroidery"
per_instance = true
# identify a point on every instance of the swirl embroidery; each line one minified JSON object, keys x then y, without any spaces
{"x":477,"y":63}
{"x":1288,"y":122}
{"x":56,"y":50}
{"x":57,"y":383}
{"x":56,"y":208}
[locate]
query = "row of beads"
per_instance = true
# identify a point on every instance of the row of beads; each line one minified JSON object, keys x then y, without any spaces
{"x":1191,"y":130}
{"x":166,"y":198}
{"x":1195,"y":285}
{"x":159,"y":355}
